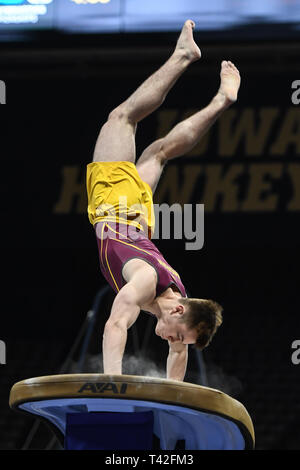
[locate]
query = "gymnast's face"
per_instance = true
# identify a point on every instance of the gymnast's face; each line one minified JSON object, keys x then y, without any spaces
{"x":171,"y":328}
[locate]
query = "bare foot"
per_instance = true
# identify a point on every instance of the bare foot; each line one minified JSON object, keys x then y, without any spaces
{"x":186,"y":43}
{"x":230,"y":81}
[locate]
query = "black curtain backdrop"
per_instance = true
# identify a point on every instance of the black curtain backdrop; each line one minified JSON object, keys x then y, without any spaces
{"x":246,"y":172}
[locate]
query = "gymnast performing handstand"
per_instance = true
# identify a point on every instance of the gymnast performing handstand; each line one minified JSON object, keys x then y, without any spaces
{"x":130,"y":262}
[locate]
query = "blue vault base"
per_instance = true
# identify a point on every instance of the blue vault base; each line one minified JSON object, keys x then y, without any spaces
{"x":96,"y":417}
{"x":118,"y":412}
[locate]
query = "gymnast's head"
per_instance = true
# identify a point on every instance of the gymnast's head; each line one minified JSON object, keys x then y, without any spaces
{"x":190,"y":321}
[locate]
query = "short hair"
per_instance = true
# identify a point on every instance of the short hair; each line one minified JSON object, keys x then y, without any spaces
{"x":205,"y":316}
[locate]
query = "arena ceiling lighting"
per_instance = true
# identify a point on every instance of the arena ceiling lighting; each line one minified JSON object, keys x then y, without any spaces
{"x":252,"y":18}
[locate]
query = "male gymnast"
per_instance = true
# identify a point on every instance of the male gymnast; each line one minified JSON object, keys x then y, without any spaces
{"x":130,"y":262}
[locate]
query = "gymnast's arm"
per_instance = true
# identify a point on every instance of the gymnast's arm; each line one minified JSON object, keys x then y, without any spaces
{"x":177,"y":361}
{"x":126,"y":308}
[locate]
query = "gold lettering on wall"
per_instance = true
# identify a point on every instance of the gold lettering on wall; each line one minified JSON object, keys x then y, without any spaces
{"x":175,"y":190}
{"x":220,"y":190}
{"x":73,"y":192}
{"x":289,"y":134}
{"x":294,"y":174}
{"x":260,"y":194}
{"x":221,"y":184}
{"x":236,"y":127}
{"x":231,"y":187}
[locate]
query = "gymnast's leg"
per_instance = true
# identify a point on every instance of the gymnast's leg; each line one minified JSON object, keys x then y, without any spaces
{"x":116,"y":140}
{"x":185,"y":135}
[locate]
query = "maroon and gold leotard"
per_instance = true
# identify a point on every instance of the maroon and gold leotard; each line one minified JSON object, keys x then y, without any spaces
{"x":121,"y":237}
{"x":115,"y":249}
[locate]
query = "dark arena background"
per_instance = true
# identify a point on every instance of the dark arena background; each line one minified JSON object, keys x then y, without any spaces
{"x":60,"y":79}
